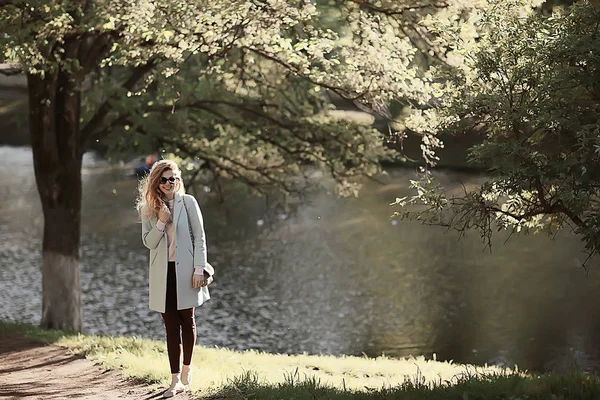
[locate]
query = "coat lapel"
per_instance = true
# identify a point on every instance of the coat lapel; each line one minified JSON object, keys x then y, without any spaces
{"x":177,"y":206}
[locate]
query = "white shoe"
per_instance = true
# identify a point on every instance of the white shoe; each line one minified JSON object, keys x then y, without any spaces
{"x":186,"y":375}
{"x":175,"y":388}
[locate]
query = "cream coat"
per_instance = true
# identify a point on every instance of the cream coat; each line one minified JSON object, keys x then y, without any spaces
{"x":188,"y":255}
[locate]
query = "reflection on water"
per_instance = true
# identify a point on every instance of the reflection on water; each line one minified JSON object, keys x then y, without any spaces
{"x":327,"y":276}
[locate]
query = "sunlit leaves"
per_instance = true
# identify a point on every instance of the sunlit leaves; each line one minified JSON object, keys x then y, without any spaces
{"x":529,"y":86}
{"x":259,"y":76}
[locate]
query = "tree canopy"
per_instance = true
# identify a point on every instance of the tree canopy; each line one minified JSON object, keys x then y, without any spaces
{"x":247,"y":87}
{"x":244,"y":86}
{"x":530,"y":86}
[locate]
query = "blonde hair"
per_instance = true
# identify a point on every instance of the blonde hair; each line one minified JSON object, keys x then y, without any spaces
{"x":149,"y":198}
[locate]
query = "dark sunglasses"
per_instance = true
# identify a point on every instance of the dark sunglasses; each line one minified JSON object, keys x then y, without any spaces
{"x":164,"y":180}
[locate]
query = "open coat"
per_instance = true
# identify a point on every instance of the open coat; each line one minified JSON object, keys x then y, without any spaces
{"x":188,"y":255}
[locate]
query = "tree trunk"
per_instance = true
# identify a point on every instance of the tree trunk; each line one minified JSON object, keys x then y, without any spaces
{"x":54,"y":107}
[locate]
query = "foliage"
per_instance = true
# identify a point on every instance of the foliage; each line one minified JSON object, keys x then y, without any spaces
{"x":238,"y":85}
{"x":245,"y":88}
{"x":529,"y":85}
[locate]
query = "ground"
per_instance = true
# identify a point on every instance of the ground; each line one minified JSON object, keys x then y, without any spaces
{"x":29,"y":370}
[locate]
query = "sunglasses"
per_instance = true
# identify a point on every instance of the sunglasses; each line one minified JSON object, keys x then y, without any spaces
{"x":172,"y":180}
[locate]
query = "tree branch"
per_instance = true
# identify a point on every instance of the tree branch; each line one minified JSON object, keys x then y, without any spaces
{"x":397,"y":11}
{"x":234,"y":173}
{"x":344,"y":93}
{"x":98,"y":48}
{"x":201,"y":104}
{"x":20,"y":3}
{"x":88,"y":133}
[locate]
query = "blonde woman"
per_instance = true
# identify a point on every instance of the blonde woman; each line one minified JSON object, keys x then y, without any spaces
{"x":172,"y":228}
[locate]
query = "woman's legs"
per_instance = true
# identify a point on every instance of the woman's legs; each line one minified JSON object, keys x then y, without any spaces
{"x":179,"y":324}
{"x":181,"y":327}
{"x":172,"y":320}
{"x":188,"y":334}
{"x":173,"y":327}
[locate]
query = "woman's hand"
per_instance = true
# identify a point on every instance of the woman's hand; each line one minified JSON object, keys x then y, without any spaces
{"x":164,"y":214}
{"x":201,"y":280}
{"x":198,"y":281}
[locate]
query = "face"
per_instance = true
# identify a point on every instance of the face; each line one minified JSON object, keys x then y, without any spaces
{"x":168,"y":183}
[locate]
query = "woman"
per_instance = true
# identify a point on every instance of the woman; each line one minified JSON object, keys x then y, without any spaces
{"x":172,"y":228}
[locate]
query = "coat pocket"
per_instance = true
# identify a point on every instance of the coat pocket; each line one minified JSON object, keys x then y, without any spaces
{"x":153,"y":257}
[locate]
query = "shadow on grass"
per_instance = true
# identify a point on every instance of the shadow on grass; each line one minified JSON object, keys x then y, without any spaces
{"x":31,"y":333}
{"x":16,"y":336}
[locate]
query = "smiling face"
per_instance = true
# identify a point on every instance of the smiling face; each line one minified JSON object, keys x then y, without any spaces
{"x":168,"y":183}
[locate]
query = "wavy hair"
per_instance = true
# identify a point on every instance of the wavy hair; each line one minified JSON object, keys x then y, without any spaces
{"x":149,"y":199}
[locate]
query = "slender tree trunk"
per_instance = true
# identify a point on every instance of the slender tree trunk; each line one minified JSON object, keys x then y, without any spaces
{"x":54,"y":106}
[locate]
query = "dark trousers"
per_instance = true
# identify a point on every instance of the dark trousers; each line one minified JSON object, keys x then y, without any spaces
{"x":179,"y":324}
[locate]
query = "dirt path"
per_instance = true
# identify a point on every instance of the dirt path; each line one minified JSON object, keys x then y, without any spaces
{"x":29,"y":370}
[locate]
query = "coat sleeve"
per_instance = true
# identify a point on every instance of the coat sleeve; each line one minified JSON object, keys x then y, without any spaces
{"x":151,"y":236}
{"x":197,"y":224}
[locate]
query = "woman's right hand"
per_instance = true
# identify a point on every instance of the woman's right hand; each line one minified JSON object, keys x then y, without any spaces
{"x":164,"y":214}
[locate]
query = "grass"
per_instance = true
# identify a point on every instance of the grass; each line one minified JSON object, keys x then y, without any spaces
{"x":222,"y":374}
{"x":510,"y":387}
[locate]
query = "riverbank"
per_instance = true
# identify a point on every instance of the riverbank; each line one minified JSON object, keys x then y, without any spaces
{"x":138,"y":367}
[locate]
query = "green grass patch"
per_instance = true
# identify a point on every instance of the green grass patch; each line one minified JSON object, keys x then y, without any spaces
{"x":222,"y":374}
{"x":34,"y":333}
{"x":574,"y":386}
